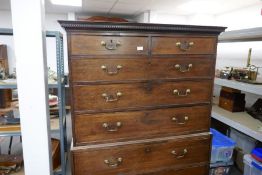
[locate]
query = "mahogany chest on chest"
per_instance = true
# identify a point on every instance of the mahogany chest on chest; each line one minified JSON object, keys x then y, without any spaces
{"x":141,"y":97}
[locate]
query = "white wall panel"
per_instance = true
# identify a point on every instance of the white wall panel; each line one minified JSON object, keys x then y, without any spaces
{"x":5,"y":19}
{"x":166,"y":18}
{"x":235,"y":54}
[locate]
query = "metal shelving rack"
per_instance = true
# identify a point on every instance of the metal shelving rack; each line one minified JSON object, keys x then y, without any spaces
{"x":241,"y":121}
{"x":243,"y":35}
{"x":61,"y":96}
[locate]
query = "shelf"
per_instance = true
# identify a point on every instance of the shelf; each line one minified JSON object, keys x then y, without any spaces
{"x":4,"y":85}
{"x":60,"y":85}
{"x":241,"y":121}
{"x":14,"y":130}
{"x":251,"y":88}
{"x":14,"y":105}
{"x":252,"y":34}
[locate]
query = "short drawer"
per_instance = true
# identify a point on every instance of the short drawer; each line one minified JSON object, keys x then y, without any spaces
{"x":86,"y":70}
{"x":91,"y":70}
{"x":98,"y":98}
{"x":108,"y":45}
{"x":122,"y":126}
{"x":141,"y":156}
{"x":180,"y":68}
{"x":183,"y":45}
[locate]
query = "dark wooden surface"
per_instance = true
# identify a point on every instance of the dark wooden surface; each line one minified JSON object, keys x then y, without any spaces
{"x":91,"y":45}
{"x":89,"y":70}
{"x":198,"y":170}
{"x":3,"y":52}
{"x":167,"y":45}
{"x":140,"y":124}
{"x":142,"y":157}
{"x":56,"y":156}
{"x":122,"y":79}
{"x":89,"y":98}
{"x":70,"y":26}
{"x":133,"y":69}
{"x":5,"y":98}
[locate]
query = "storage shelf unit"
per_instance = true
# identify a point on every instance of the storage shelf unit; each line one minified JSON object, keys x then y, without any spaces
{"x":58,"y":125}
{"x":252,"y":34}
{"x":251,"y":88}
{"x":14,"y":130}
{"x":7,"y":86}
{"x":14,"y":86}
{"x":241,"y":121}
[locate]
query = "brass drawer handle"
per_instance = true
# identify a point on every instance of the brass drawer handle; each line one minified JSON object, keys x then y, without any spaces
{"x":110,"y":44}
{"x":180,"y":122}
{"x":183,"y":68}
{"x":112,"y":127}
{"x":184,"y":45}
{"x":113,"y":162}
{"x":111,"y":70}
{"x":180,"y":155}
{"x":181,"y":93}
{"x":112,"y":98}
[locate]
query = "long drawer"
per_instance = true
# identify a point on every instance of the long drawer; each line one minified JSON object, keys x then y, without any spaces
{"x":183,"y":45}
{"x":142,"y":156}
{"x":82,"y":44}
{"x":123,"y":126}
{"x":98,"y":98}
{"x":196,"y":170}
{"x":85,"y":70}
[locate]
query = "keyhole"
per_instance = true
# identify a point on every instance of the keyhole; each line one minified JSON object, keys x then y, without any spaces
{"x":148,"y":150}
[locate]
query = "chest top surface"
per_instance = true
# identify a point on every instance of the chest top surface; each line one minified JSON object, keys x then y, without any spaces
{"x":139,"y":27}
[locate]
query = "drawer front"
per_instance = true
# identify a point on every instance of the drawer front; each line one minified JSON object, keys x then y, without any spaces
{"x":123,"y":96}
{"x":197,"y":170}
{"x":142,"y":157}
{"x":88,"y":70}
{"x":108,"y":45}
{"x":179,"y":68}
{"x":183,"y":45}
{"x":122,"y":126}
{"x":83,"y":70}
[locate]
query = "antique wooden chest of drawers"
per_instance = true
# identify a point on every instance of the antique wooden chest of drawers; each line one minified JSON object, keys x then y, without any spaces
{"x":141,"y":97}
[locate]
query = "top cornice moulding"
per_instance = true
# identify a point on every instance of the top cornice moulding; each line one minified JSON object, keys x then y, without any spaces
{"x":147,"y":27}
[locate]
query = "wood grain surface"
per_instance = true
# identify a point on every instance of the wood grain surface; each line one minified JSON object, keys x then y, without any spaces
{"x":90,"y":98}
{"x":141,"y":157}
{"x":91,"y":70}
{"x":91,"y":45}
{"x":167,"y":45}
{"x":123,"y":126}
